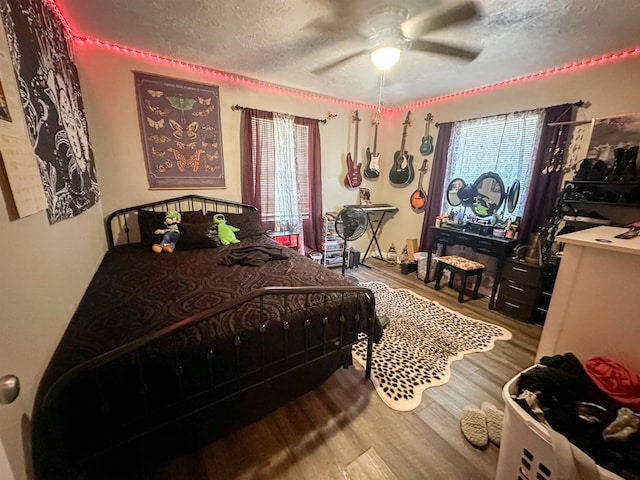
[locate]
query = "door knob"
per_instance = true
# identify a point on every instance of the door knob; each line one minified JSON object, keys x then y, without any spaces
{"x":9,"y":389}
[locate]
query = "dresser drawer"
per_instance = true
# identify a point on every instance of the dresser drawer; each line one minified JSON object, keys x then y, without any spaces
{"x":521,"y":273}
{"x":519,"y":292}
{"x":514,"y":309}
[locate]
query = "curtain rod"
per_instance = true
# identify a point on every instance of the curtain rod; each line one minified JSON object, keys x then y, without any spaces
{"x":240,"y":107}
{"x":579,"y":103}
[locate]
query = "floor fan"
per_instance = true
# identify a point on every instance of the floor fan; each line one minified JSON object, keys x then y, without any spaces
{"x":351,"y":223}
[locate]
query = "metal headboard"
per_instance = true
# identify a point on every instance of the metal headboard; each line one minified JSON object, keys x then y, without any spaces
{"x":122,"y":225}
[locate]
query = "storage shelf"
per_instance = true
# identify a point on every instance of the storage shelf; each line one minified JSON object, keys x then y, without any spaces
{"x":613,"y":204}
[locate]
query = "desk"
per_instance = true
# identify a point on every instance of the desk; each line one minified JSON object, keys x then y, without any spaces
{"x":496,"y":247}
{"x":371,"y":211}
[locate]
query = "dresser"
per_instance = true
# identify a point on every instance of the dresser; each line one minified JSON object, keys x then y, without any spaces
{"x":520,"y":285}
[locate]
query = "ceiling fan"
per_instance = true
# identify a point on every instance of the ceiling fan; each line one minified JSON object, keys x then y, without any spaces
{"x":394,"y":31}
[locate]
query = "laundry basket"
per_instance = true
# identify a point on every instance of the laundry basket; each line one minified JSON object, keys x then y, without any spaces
{"x":525,"y":447}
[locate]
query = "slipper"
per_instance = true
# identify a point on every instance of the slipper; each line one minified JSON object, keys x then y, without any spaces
{"x":495,"y":419}
{"x":474,"y":426}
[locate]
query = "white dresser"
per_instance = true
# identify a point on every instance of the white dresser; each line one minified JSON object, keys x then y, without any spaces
{"x":595,"y":307}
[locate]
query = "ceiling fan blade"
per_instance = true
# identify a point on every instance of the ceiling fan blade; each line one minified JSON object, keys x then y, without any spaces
{"x":426,"y":22}
{"x":336,"y":63}
{"x":442,"y":49}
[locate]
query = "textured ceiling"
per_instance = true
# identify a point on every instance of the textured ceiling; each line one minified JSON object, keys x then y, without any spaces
{"x":283,"y":41}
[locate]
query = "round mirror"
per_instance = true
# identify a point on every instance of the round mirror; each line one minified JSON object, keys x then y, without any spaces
{"x":489,"y":196}
{"x":453,"y":188}
{"x":513,"y":196}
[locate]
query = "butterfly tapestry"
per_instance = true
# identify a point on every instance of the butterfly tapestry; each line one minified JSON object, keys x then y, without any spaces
{"x":181,"y":132}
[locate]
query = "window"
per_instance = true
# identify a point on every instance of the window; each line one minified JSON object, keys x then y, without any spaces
{"x":503,"y":144}
{"x":275,"y":180}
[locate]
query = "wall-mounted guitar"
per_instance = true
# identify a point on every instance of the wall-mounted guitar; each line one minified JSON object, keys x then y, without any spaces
{"x":426,"y":147}
{"x":372,"y":168}
{"x":402,"y":170}
{"x":353,"y":179}
{"x":419,"y":197}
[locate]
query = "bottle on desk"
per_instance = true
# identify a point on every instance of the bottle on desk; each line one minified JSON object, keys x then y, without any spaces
{"x":392,"y":256}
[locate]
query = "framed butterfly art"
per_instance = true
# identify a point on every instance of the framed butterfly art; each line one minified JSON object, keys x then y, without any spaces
{"x":180,"y":130}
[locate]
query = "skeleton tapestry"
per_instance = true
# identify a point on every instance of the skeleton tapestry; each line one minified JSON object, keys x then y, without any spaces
{"x":180,"y":127}
{"x":47,"y":78}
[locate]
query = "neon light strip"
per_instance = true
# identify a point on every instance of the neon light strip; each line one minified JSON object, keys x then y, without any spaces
{"x":250,"y":83}
{"x":570,"y":67}
{"x":217,"y":74}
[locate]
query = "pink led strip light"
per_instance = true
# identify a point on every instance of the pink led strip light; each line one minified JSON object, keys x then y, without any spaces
{"x":227,"y":77}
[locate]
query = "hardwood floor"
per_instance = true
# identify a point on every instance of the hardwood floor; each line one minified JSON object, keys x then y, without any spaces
{"x":343,"y":430}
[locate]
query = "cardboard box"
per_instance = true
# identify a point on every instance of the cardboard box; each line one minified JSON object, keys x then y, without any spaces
{"x":412,"y":247}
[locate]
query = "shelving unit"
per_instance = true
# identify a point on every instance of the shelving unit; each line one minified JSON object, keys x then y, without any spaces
{"x":618,"y":201}
{"x":332,"y":244}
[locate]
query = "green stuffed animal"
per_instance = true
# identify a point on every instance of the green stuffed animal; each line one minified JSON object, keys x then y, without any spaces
{"x":226,"y":233}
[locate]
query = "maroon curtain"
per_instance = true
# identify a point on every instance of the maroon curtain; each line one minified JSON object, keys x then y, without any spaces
{"x":251,"y":181}
{"x":436,"y":183}
{"x":313,"y":225}
{"x":547,"y":170}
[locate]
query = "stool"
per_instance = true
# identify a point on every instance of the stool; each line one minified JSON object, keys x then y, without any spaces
{"x":455,"y":264}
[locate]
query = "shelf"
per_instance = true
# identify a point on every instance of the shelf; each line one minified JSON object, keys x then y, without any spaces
{"x":603,"y":182}
{"x":612,"y":204}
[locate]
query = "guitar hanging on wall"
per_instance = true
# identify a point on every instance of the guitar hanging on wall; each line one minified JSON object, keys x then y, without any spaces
{"x":402,"y":173}
{"x":372,"y":168}
{"x":426,"y":147}
{"x":353,"y":179}
{"x":419,"y":197}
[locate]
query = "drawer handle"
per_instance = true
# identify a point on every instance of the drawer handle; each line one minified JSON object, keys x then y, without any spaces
{"x":512,"y":304}
{"x":519,"y":289}
{"x":523,"y":270}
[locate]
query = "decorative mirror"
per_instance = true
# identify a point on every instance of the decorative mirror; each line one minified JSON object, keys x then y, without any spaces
{"x":513,"y":196}
{"x":453,"y":188}
{"x":490,"y":194}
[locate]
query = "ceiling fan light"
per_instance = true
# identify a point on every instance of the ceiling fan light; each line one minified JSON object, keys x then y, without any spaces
{"x":385,"y":57}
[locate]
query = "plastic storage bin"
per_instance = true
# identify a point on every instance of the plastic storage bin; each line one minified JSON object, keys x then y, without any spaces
{"x":525,"y":447}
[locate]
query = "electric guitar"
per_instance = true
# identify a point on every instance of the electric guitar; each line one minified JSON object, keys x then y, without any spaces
{"x":372,"y":168}
{"x":353,"y":179}
{"x":402,"y":171}
{"x":426,"y":148}
{"x":419,"y":197}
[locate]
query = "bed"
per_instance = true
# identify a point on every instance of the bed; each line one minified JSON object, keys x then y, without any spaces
{"x":170,"y":348}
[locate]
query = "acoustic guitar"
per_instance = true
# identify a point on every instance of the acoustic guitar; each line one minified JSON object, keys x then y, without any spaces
{"x":419,"y":197}
{"x":372,"y":168}
{"x":426,"y":147}
{"x":353,"y":179}
{"x":402,"y":173}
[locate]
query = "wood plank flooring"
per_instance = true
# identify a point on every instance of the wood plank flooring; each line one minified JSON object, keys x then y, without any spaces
{"x":343,"y":430}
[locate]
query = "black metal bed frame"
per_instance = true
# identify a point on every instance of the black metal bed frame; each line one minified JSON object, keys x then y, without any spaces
{"x":100,"y":378}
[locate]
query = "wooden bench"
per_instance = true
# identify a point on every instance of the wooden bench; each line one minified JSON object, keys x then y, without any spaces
{"x":455,"y":264}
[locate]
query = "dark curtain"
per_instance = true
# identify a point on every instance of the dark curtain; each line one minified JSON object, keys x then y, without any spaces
{"x":436,"y":183}
{"x":547,"y":171}
{"x":251,"y":181}
{"x":313,"y":225}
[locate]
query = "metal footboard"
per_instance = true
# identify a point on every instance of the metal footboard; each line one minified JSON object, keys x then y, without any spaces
{"x":170,"y":375}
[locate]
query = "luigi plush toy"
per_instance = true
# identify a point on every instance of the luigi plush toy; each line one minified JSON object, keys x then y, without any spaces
{"x":226,"y":233}
{"x":170,"y":235}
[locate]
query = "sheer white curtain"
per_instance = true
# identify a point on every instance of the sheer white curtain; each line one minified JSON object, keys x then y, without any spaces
{"x":504,"y":144}
{"x":287,"y":192}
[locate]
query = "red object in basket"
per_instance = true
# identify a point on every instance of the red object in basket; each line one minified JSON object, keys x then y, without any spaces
{"x":616,"y":381}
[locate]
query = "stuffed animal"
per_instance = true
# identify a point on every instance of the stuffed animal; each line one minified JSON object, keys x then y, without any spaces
{"x":170,"y":235}
{"x":226,"y":233}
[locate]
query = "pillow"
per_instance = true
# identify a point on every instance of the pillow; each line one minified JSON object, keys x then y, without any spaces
{"x":248,"y":222}
{"x":198,"y":235}
{"x":149,"y":221}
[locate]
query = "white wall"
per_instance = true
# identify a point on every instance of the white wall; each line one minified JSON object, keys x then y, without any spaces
{"x":46,"y":268}
{"x":611,"y":88}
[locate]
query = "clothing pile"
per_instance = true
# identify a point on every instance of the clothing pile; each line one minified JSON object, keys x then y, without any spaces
{"x":595,"y":406}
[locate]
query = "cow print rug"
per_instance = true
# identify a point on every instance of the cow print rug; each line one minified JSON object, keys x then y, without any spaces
{"x":419,"y":345}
